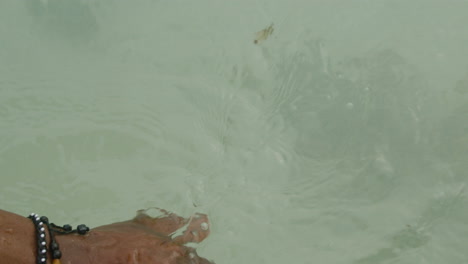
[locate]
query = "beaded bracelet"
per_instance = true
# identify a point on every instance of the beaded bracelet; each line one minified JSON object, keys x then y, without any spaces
{"x":41,"y":239}
{"x":39,"y":223}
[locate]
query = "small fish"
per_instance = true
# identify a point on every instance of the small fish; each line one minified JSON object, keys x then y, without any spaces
{"x":263,"y":34}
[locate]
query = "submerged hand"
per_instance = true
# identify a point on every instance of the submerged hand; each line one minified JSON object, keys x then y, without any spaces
{"x":142,"y":240}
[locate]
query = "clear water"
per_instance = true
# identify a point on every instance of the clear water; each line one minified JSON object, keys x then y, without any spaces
{"x":342,"y":138}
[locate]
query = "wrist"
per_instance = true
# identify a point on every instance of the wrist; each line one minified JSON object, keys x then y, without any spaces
{"x":50,"y":248}
{"x":74,"y":249}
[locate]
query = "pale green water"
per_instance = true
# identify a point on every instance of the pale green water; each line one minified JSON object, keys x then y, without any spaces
{"x":343,"y":138}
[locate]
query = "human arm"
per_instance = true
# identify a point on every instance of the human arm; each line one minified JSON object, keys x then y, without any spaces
{"x":143,"y":239}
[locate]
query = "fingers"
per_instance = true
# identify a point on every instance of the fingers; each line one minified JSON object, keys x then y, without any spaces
{"x":197,"y":230}
{"x":166,"y":224}
{"x":196,"y":227}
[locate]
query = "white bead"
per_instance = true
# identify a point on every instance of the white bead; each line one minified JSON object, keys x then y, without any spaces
{"x":42,"y":229}
{"x":43,"y":243}
{"x":42,"y":235}
{"x":43,"y":260}
{"x":44,"y":251}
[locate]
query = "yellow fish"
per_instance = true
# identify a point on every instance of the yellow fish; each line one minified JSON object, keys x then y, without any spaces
{"x":263,"y":34}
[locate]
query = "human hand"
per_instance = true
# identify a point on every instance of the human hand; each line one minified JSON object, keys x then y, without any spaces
{"x":142,"y":240}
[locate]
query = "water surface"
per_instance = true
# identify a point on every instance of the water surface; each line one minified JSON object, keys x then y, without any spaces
{"x":342,"y":138}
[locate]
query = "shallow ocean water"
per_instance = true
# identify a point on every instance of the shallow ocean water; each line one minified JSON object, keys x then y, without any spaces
{"x":342,"y":138}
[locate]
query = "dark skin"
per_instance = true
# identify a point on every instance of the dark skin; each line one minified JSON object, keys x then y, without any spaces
{"x":142,"y":240}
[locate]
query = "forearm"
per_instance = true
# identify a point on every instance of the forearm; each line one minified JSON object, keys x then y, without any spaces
{"x":17,"y":239}
{"x":18,"y":243}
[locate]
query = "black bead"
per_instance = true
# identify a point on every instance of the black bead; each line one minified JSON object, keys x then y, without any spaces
{"x":56,"y":254}
{"x":67,"y":228}
{"x":82,"y":229}
{"x":54,"y":246}
{"x":44,"y":219}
